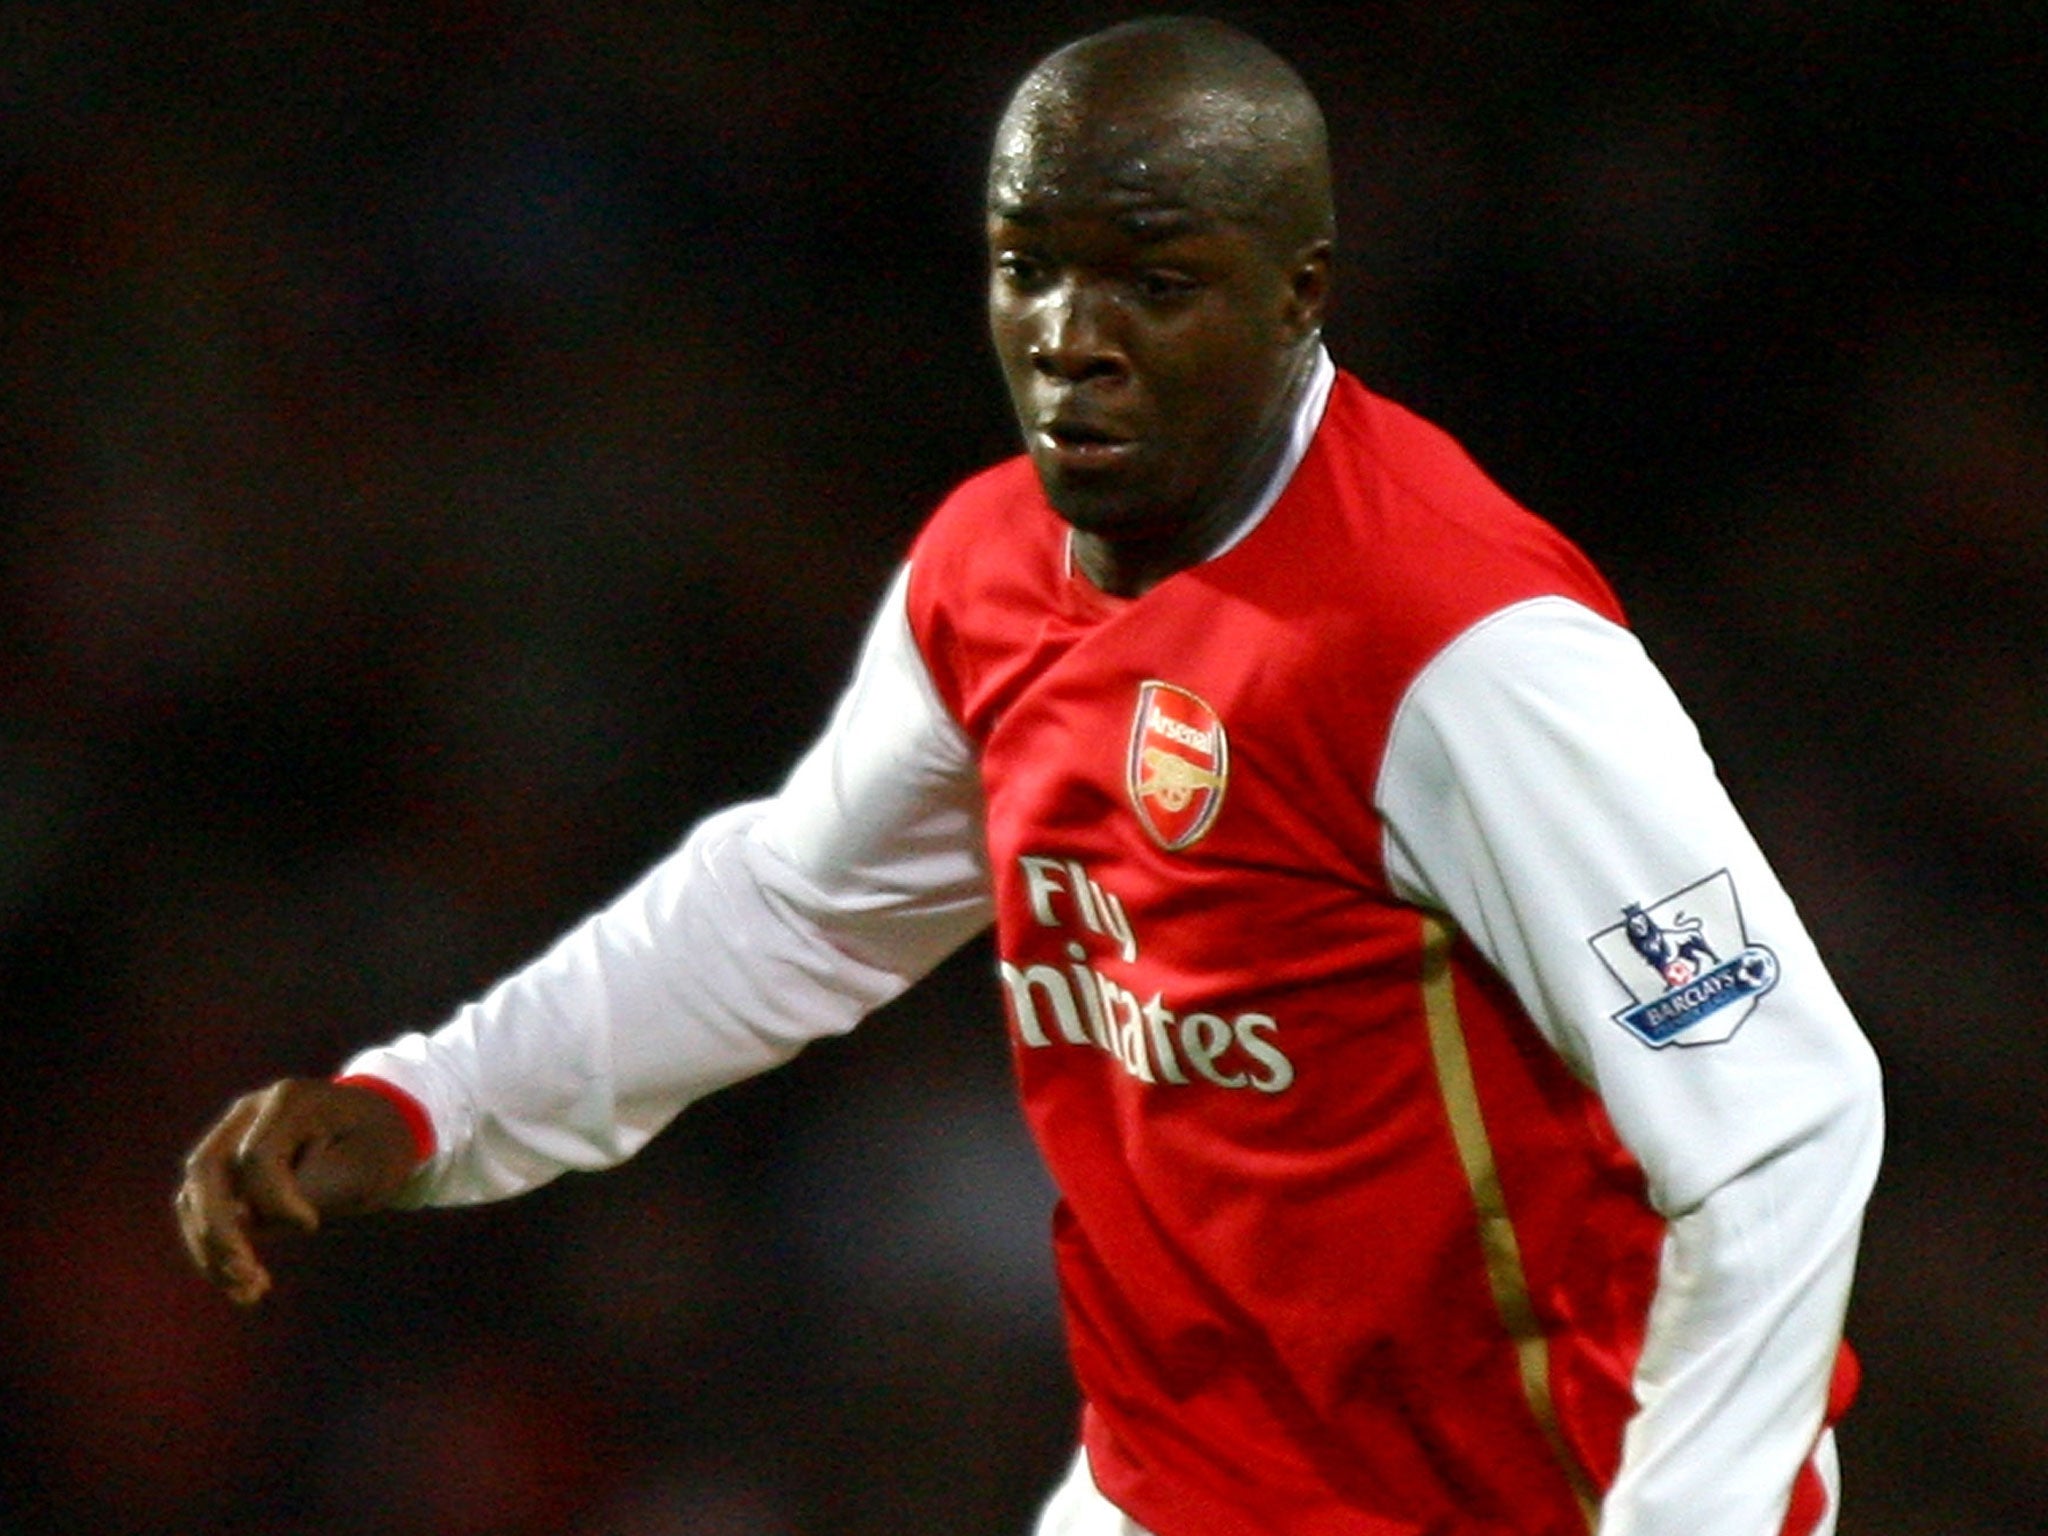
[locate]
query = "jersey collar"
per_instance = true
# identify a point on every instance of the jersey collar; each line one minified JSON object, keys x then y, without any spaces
{"x":1308,"y":415}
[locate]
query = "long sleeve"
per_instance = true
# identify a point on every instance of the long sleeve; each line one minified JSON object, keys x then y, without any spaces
{"x":1544,"y":788}
{"x":774,"y":924}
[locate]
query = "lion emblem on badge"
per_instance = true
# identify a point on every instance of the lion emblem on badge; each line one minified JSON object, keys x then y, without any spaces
{"x":1678,"y":952}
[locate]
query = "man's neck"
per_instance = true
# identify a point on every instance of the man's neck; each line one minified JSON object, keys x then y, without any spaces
{"x":1133,"y":565}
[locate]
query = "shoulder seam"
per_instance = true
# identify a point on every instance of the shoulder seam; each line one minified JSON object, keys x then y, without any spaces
{"x":1456,"y":643}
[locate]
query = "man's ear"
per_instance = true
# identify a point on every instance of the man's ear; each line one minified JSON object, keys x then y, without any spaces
{"x":1308,"y":287}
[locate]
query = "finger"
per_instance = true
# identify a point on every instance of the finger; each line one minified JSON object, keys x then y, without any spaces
{"x":212,"y":1217}
{"x":266,"y":1159}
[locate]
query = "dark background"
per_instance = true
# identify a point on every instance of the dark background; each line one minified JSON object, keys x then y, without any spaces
{"x":445,"y":448}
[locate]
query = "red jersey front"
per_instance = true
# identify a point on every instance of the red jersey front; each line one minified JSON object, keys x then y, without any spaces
{"x":1344,"y":1247}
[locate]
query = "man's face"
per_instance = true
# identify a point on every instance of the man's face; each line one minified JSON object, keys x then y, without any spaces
{"x":1148,"y":341}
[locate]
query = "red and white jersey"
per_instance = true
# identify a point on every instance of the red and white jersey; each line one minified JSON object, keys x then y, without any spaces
{"x":1454,"y":1127}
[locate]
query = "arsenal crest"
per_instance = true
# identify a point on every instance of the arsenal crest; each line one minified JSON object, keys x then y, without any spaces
{"x":1179,"y":765}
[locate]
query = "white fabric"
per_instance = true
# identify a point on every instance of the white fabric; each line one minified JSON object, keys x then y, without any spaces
{"x":1827,"y":1461}
{"x":1301,"y":431}
{"x":774,"y":924}
{"x":1540,"y":776}
{"x":1077,"y":1508}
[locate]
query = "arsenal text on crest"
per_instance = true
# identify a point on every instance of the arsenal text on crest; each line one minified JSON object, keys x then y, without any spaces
{"x":1179,"y":765}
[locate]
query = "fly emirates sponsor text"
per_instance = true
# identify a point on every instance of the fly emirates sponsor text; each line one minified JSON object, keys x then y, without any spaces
{"x":1079,"y":1005}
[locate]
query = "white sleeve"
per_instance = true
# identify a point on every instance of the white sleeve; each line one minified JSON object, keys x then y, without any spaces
{"x":775,"y":923}
{"x":1540,"y":779}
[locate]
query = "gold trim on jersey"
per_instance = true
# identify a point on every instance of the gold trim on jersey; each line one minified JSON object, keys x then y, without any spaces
{"x":1502,"y":1251}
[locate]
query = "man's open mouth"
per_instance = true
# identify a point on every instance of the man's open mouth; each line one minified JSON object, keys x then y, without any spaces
{"x":1083,"y":443}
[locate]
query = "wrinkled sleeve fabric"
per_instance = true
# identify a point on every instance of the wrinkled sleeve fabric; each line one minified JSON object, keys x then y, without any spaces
{"x":1541,"y":776}
{"x":775,"y":923}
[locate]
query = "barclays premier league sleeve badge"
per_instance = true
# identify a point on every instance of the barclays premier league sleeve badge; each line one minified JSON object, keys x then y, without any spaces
{"x":1687,"y":963}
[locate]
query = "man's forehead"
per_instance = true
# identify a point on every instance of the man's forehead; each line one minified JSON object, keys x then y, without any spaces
{"x":1150,"y":166}
{"x":1143,"y":194}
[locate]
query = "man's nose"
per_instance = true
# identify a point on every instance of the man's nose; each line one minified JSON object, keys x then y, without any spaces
{"x":1076,"y":336}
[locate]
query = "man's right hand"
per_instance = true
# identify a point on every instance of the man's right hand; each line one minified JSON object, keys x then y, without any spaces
{"x":290,"y":1155}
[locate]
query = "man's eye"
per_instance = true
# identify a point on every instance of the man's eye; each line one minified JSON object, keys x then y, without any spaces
{"x":1165,"y":287}
{"x":1020,"y":271}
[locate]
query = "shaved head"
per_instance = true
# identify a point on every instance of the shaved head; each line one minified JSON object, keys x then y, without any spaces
{"x":1180,"y":101}
{"x":1159,"y":235}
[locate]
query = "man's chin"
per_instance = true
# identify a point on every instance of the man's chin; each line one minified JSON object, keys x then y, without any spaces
{"x":1110,"y":511}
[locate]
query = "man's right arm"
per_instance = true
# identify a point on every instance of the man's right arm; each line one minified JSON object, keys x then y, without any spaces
{"x":1541,"y":779}
{"x":775,"y":923}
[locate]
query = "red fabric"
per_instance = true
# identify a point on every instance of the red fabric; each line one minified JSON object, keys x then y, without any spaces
{"x":1278,"y":1302}
{"x":417,"y":1120}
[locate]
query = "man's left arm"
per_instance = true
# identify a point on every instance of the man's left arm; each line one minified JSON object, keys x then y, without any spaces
{"x":1544,"y":787}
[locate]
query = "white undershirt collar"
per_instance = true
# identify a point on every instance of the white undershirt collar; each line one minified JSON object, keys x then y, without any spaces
{"x":1308,"y":415}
